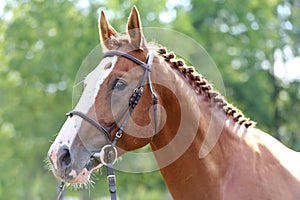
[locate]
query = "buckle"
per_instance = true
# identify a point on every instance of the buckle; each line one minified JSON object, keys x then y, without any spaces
{"x":119,"y":135}
{"x":112,"y":176}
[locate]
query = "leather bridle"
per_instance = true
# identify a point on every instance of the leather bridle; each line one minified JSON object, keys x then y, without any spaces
{"x":108,"y":153}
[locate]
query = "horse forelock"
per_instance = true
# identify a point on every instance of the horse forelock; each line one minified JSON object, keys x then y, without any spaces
{"x":203,"y":87}
{"x":122,"y":43}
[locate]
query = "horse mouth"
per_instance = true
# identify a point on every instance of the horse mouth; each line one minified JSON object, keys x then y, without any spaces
{"x":83,"y":177}
{"x":93,"y":164}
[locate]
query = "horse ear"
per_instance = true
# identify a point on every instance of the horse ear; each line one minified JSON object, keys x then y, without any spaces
{"x":106,"y":32}
{"x":134,"y":29}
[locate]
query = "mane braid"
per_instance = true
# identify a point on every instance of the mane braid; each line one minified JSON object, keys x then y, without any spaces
{"x":203,"y":87}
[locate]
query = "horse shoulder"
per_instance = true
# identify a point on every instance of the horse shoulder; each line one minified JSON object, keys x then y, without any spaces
{"x":263,"y":169}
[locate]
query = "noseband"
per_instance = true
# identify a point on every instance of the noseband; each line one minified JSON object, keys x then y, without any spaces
{"x":108,"y":153}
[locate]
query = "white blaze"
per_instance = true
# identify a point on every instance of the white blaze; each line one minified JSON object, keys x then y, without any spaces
{"x":93,"y":82}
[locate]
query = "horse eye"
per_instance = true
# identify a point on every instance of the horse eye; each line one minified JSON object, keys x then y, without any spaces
{"x":118,"y":84}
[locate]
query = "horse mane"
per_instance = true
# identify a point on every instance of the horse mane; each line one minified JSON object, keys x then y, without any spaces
{"x":203,"y":87}
{"x":200,"y":84}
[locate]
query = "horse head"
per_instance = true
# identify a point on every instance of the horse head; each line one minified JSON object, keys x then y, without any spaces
{"x":105,"y":110}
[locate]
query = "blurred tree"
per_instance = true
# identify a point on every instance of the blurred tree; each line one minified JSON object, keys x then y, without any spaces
{"x":244,"y":38}
{"x":43,"y":43}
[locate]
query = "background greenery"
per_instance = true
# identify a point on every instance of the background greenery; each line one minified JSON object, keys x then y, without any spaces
{"x":44,"y":42}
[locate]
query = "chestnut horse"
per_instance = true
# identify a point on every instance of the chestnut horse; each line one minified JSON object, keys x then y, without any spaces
{"x":205,"y":148}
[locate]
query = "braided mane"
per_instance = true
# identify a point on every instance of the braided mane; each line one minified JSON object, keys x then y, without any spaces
{"x":202,"y":86}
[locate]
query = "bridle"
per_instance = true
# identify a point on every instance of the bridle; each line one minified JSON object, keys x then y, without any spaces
{"x":108,"y":153}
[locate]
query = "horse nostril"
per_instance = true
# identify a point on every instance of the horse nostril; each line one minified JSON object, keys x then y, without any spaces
{"x":66,"y":160}
{"x":64,"y":157}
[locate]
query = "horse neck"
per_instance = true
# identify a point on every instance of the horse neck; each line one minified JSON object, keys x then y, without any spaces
{"x":191,"y":143}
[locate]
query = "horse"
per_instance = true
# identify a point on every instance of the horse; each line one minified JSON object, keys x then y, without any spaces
{"x":142,"y":94}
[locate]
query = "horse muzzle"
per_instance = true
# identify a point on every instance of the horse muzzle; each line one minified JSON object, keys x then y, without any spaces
{"x":63,"y":162}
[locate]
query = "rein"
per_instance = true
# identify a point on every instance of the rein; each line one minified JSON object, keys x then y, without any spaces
{"x":108,"y":153}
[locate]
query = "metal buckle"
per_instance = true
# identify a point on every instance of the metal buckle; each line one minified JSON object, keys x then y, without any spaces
{"x":119,"y":135}
{"x":111,"y":176}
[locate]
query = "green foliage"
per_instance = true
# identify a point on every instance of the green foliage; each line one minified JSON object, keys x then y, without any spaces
{"x":44,"y":42}
{"x":242,"y":38}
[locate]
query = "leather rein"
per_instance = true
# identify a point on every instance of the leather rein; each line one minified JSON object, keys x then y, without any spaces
{"x":108,"y":153}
